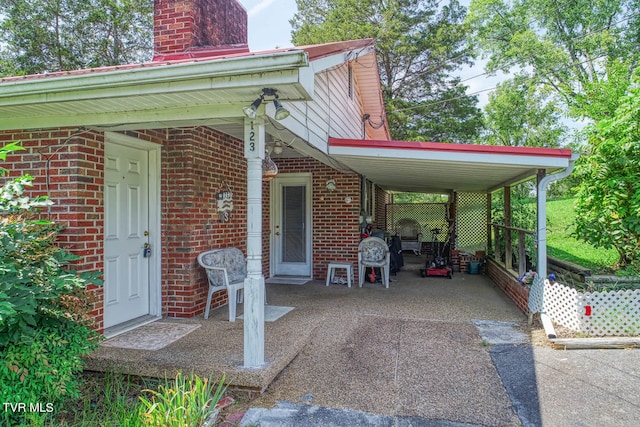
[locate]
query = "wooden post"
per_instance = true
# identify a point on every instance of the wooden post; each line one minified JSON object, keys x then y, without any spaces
{"x":496,"y":243}
{"x":507,"y":231}
{"x":522,"y":254}
{"x":254,"y":148}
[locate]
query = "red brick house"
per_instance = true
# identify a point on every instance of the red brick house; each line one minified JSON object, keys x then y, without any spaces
{"x":135,"y":157}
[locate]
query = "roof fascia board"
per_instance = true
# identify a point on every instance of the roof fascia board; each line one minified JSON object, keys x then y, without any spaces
{"x":141,"y":76}
{"x":201,"y":115}
{"x":465,"y":157}
{"x":525,"y":176}
{"x":285,"y":77}
{"x":331,"y":61}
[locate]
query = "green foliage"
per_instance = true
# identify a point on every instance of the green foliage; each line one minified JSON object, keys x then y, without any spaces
{"x":44,"y":330}
{"x":608,"y":210}
{"x":5,"y":150}
{"x":563,"y":50}
{"x":562,"y":243}
{"x":419,"y":46}
{"x":186,"y":401}
{"x":523,"y":212}
{"x":517,"y":115}
{"x":419,"y":198}
{"x":42,"y":35}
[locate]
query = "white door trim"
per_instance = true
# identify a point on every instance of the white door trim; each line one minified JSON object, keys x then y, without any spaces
{"x":274,"y":198}
{"x":155,"y":275}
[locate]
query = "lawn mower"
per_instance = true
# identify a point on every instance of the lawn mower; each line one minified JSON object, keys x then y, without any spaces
{"x":438,"y":265}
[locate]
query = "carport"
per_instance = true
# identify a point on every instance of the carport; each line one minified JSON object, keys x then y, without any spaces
{"x":430,"y":167}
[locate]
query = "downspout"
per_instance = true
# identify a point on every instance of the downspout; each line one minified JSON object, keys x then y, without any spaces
{"x":542,"y":213}
{"x":536,"y":293}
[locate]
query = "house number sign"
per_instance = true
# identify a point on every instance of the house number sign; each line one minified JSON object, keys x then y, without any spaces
{"x":224,"y":200}
{"x":253,"y":139}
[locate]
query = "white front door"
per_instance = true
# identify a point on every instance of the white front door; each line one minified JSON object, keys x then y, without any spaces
{"x":126,"y":230}
{"x":291,"y":225}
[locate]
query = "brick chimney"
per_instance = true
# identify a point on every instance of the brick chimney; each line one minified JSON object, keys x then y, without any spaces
{"x":184,"y":29}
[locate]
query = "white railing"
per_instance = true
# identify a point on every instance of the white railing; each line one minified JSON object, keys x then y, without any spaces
{"x":597,"y":314}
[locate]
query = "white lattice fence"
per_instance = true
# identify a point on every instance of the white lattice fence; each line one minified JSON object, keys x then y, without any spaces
{"x":593,"y":313}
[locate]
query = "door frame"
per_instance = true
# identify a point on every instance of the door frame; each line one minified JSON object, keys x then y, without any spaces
{"x":284,"y":178}
{"x":155,"y":263}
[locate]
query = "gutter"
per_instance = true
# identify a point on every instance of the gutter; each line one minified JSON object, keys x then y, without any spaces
{"x":127,"y":75}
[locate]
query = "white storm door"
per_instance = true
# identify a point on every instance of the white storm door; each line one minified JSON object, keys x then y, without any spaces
{"x":126,"y":269}
{"x":292,"y":225}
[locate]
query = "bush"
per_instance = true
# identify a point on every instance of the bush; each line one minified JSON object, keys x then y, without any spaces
{"x":44,"y":327}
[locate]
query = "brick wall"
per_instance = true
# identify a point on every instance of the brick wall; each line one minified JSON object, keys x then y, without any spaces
{"x":196,"y":163}
{"x":508,"y":282}
{"x":67,"y":166}
{"x":335,"y":222}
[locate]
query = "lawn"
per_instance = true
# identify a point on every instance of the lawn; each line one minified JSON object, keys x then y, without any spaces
{"x":560,"y":243}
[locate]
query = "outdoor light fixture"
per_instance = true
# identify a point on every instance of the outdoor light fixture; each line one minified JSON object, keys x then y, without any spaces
{"x":281,"y":112}
{"x":251,"y":110}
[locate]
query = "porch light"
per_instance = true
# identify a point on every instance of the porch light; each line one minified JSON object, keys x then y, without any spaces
{"x":281,"y":112}
{"x":331,"y":185}
{"x":251,"y":110}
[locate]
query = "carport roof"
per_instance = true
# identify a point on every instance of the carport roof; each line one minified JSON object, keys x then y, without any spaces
{"x":432,"y":167}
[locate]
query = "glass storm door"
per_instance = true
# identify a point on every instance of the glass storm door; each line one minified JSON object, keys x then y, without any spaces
{"x":291,"y":228}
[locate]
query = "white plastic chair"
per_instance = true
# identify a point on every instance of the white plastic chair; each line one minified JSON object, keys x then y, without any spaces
{"x":226,"y":269}
{"x":373,"y":252}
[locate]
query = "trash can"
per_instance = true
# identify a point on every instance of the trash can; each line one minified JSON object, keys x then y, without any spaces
{"x":474,"y":267}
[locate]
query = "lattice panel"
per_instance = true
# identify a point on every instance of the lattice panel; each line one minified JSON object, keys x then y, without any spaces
{"x":472,"y":221}
{"x":613,"y":313}
{"x":428,"y":215}
{"x":536,"y":294}
{"x":560,"y":303}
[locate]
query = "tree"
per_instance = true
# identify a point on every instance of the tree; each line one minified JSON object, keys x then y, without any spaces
{"x":51,"y":35}
{"x":419,"y":44}
{"x":519,"y":116}
{"x":563,"y":47}
{"x":608,"y":208}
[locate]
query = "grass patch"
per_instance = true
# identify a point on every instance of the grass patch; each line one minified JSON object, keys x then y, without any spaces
{"x":118,"y":400}
{"x":560,"y":243}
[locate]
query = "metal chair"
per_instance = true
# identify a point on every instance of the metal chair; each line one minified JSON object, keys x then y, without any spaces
{"x":373,"y":252}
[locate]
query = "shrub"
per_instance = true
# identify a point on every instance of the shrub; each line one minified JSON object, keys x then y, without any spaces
{"x":44,"y":328}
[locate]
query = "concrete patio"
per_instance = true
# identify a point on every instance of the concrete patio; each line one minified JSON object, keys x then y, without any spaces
{"x":373,"y":319}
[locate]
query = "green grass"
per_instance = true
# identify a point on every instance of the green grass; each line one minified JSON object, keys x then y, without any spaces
{"x":118,"y":400}
{"x":560,"y":243}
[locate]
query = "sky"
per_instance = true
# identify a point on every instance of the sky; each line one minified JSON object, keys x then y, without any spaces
{"x":269,"y":28}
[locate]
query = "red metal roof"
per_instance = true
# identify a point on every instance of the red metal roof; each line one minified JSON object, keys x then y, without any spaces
{"x":450,"y":147}
{"x":314,"y":51}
